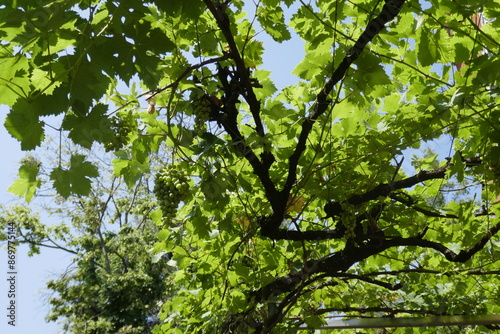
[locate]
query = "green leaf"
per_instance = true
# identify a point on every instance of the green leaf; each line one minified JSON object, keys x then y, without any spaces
{"x":313,"y":64}
{"x":75,"y":179}
{"x":214,"y":187}
{"x":158,"y":256}
{"x":209,"y":143}
{"x":130,"y":169}
{"x":157,"y":41}
{"x":458,"y":167}
{"x":349,"y":126}
{"x":433,"y":47}
{"x":40,"y":79}
{"x":25,"y":126}
{"x":28,"y":181}
{"x":88,"y":84}
{"x":86,"y":129}
{"x":272,"y":19}
{"x":14,"y":80}
{"x":238,"y":300}
{"x":266,"y":86}
{"x":187,"y":8}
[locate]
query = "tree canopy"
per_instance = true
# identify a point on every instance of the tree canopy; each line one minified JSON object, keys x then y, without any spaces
{"x":112,"y":283}
{"x":282,"y":206}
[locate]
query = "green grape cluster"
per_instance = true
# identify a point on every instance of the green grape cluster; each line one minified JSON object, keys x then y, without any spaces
{"x":171,"y":187}
{"x":121,"y":129}
{"x":201,"y":111}
{"x":349,"y":220}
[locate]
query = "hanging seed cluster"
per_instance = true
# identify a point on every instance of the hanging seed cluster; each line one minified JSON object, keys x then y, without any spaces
{"x":171,"y":187}
{"x":201,"y":111}
{"x":122,"y":128}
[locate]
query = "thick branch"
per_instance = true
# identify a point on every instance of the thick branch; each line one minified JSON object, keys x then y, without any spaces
{"x":411,"y":204}
{"x":461,"y":257}
{"x":219,"y":13}
{"x":383,"y":190}
{"x":229,"y":120}
{"x":279,"y":286}
{"x":241,"y":84}
{"x":336,"y":264}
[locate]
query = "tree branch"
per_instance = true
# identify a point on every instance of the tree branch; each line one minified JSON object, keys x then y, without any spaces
{"x":184,"y":74}
{"x":27,"y":240}
{"x":336,"y":264}
{"x":337,"y":233}
{"x":389,"y":11}
{"x":451,"y":256}
{"x":241,"y":84}
{"x":409,"y":202}
{"x":219,"y":12}
{"x":384,"y":190}
{"x":229,"y":120}
{"x":388,"y":286}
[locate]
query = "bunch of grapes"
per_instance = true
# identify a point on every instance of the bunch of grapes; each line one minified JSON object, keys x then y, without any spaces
{"x":201,"y":111}
{"x":121,"y":128}
{"x":171,"y":187}
{"x":349,"y":220}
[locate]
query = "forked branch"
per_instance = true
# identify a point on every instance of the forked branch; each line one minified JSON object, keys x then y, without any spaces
{"x":218,"y":11}
{"x":389,"y":11}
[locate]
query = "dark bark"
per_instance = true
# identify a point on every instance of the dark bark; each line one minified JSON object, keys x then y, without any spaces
{"x":385,"y":189}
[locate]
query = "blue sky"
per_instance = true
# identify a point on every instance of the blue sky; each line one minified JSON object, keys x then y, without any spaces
{"x":32,"y":272}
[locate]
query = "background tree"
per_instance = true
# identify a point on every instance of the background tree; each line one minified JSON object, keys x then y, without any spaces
{"x":300,"y":205}
{"x":113,"y":284}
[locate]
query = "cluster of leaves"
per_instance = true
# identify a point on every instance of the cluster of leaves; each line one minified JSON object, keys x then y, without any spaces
{"x":302,"y":207}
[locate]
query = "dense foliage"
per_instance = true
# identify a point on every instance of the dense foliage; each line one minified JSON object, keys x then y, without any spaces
{"x":300,"y":204}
